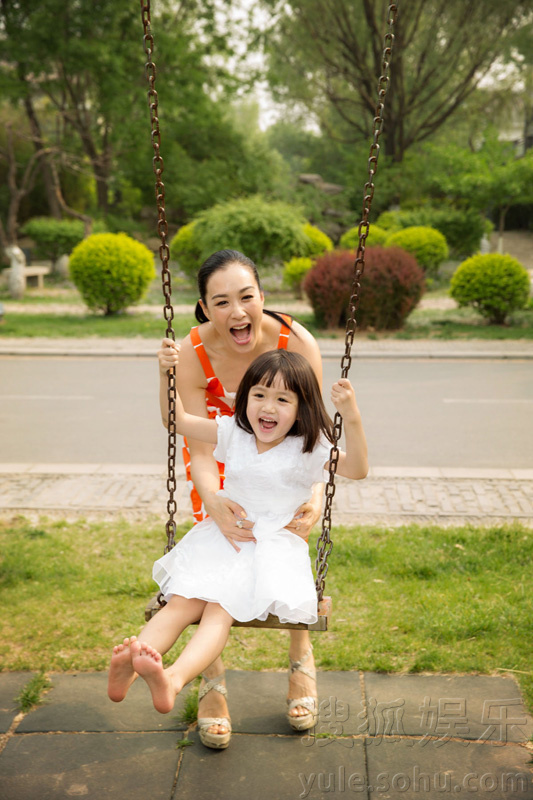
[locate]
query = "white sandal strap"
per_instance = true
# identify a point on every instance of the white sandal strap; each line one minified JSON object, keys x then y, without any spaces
{"x":298,"y":666}
{"x":206,"y":722}
{"x":212,"y":684}
{"x":305,"y":702}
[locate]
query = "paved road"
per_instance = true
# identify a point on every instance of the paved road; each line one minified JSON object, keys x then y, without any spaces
{"x":418,"y":413}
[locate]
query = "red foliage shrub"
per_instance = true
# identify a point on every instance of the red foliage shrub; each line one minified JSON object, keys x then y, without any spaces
{"x":391,"y":286}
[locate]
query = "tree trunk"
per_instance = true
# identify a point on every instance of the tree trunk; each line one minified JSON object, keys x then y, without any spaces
{"x":501,"y":227}
{"x":54,"y":208}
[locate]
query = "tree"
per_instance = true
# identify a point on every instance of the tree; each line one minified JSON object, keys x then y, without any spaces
{"x":328,"y":57}
{"x":76,"y":69}
{"x":490,"y":179}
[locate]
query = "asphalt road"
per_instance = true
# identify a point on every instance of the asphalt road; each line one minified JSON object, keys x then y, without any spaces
{"x":427,"y":413}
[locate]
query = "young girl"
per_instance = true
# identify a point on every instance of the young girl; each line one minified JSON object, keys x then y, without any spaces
{"x":275,"y":448}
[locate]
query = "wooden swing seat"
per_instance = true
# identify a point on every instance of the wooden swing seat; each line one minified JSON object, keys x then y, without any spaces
{"x":322,"y":623}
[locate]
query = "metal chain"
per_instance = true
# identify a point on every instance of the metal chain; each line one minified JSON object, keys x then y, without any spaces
{"x":164,"y":253}
{"x":324,"y":544}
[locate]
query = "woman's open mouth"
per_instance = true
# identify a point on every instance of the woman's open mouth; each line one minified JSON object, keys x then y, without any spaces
{"x":242,"y":334}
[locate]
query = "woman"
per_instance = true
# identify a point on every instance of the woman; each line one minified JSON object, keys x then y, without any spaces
{"x":234,"y":329}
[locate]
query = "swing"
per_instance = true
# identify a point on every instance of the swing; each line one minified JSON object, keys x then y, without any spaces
{"x":324,"y":544}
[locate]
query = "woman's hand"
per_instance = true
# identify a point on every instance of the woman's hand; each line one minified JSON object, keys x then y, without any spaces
{"x":231,"y":519}
{"x":305,"y":518}
{"x":168,"y":355}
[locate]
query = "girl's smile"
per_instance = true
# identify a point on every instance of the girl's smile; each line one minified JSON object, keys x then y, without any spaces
{"x":271,"y":411}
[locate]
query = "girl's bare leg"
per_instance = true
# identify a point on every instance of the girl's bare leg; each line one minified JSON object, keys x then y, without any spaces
{"x":160,"y":633}
{"x":300,"y":685}
{"x":207,"y":644}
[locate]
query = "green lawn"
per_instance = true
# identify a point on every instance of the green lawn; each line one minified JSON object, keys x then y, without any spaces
{"x":411,"y":599}
{"x":425,"y":324}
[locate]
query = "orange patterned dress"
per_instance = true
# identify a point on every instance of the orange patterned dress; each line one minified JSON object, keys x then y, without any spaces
{"x":219,"y":402}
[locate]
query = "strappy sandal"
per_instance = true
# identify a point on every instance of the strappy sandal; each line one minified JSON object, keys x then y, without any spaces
{"x":217,"y":741}
{"x":309,"y":720}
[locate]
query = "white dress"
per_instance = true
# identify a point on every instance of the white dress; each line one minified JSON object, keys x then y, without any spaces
{"x":272,"y":575}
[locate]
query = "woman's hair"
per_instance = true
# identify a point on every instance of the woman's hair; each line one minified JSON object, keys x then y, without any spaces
{"x":298,"y":376}
{"x":220,"y":260}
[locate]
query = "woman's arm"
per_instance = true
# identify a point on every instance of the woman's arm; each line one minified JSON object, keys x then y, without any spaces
{"x":197,"y":427}
{"x":190,"y":382}
{"x":354,"y":462}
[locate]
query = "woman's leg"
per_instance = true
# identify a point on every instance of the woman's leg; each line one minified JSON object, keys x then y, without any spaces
{"x":206,"y":644}
{"x":300,"y":685}
{"x":160,"y":633}
{"x":213,"y":704}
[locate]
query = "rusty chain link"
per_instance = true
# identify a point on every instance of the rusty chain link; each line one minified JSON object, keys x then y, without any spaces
{"x":324,"y":544}
{"x":164,"y":253}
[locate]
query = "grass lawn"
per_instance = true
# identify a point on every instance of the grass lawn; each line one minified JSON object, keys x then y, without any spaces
{"x":71,"y":326}
{"x":423,"y":324}
{"x":412,"y":599}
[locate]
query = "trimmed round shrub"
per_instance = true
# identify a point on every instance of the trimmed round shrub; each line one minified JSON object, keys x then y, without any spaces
{"x":350,"y":239}
{"x":391,"y":287}
{"x":111,"y":271}
{"x":426,"y":244}
{"x":319,"y":242}
{"x":265,"y":232}
{"x":55,"y":237}
{"x":185,"y":250}
{"x":294,"y":271}
{"x":493,"y":284}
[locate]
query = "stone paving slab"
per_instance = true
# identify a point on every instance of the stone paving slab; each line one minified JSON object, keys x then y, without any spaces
{"x":262,"y":768}
{"x":347,"y":752}
{"x":474,"y":707}
{"x":257,"y":700}
{"x":11,"y":684}
{"x":79,"y":703}
{"x":97,"y":766}
{"x":473,"y":496}
{"x":411,"y":770}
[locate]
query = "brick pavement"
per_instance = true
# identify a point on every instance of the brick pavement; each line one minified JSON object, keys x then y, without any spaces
{"x":388,"y":496}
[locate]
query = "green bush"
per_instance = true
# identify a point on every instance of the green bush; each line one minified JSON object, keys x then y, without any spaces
{"x":462,"y":228}
{"x":350,"y":239}
{"x":184,"y":249}
{"x":319,"y":242}
{"x":111,"y":271}
{"x":294,"y":271}
{"x":264,"y":231}
{"x":391,"y":287}
{"x":55,"y":237}
{"x":494,"y":284}
{"x":427,"y":245}
{"x":390,"y":221}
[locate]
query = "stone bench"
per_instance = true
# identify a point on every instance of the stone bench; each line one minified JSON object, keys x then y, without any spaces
{"x":38,"y":273}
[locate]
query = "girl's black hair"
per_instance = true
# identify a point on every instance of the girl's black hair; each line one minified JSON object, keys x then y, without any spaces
{"x":298,"y":376}
{"x":217,"y":261}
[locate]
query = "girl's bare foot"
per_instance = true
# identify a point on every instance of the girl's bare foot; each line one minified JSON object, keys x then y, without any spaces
{"x":121,"y":672}
{"x":148,"y":663}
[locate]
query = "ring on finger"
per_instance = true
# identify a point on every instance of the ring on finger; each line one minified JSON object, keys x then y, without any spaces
{"x":239,"y":523}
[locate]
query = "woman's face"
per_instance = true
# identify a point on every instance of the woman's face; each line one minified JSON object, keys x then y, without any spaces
{"x":234,"y":305}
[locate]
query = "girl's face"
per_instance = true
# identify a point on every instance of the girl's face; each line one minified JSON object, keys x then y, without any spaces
{"x":271,"y":411}
{"x":234,"y":305}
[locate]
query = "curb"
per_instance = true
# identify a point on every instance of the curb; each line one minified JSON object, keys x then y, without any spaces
{"x":396,"y":349}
